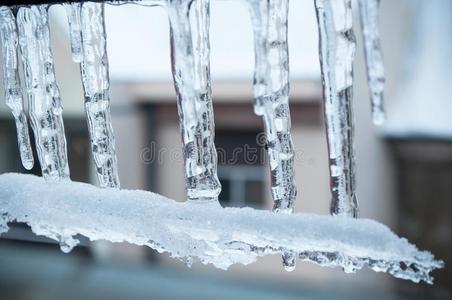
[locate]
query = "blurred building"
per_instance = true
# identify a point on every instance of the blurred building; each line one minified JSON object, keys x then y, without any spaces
{"x":403,"y":173}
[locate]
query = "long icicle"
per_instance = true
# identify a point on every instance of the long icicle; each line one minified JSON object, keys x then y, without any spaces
{"x":190,"y":52}
{"x":11,"y":82}
{"x":271,"y":92}
{"x":43,"y":93}
{"x":369,"y":13}
{"x":337,"y":51}
{"x":96,"y":85}
{"x":73,"y":11}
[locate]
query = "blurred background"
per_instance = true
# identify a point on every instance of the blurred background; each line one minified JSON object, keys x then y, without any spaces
{"x":404,"y":168}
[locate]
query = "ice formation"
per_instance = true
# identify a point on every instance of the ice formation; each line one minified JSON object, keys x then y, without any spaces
{"x":199,"y":229}
{"x":337,"y":53}
{"x":369,"y":13}
{"x":271,"y":89}
{"x":96,"y":85}
{"x":190,"y":54}
{"x":73,"y":11}
{"x":271,"y":92}
{"x":11,"y":82}
{"x":45,"y":106}
{"x":213,"y":235}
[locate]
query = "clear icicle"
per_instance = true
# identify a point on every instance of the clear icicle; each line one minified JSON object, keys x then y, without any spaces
{"x":369,"y":12}
{"x":11,"y":82}
{"x":271,"y":92}
{"x":337,"y":52}
{"x":96,"y":85}
{"x":73,"y":11}
{"x":189,"y":22}
{"x":43,"y":93}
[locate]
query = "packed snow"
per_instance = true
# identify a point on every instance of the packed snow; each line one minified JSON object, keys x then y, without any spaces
{"x":213,"y":235}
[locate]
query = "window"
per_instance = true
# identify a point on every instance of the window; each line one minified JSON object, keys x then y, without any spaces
{"x":241,"y":168}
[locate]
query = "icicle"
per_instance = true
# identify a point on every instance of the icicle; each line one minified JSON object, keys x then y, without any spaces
{"x":73,"y":11}
{"x":271,"y":89}
{"x":96,"y":84}
{"x":67,"y":242}
{"x":11,"y":82}
{"x":191,"y":72}
{"x":43,"y":93}
{"x":271,"y":92}
{"x":369,"y":12}
{"x":337,"y":51}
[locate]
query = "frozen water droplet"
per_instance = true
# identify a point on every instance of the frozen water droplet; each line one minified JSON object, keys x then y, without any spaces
{"x":65,"y":247}
{"x":67,"y":243}
{"x":189,"y":262}
{"x":378,"y":117}
{"x":289,"y":261}
{"x":4,"y":223}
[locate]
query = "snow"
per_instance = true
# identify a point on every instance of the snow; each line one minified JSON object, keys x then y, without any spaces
{"x":213,"y":235}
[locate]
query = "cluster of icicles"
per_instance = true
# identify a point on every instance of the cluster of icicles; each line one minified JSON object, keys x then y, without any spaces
{"x":26,"y":28}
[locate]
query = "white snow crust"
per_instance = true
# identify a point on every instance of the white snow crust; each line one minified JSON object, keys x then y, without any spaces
{"x":213,"y":235}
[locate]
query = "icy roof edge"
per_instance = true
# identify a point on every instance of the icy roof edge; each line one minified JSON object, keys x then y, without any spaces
{"x":221,"y":237}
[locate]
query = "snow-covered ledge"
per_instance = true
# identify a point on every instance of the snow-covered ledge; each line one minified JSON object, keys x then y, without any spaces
{"x":220,"y":236}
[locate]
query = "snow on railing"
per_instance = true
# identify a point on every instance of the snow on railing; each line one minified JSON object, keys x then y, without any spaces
{"x":214,"y":235}
{"x":198,"y":228}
